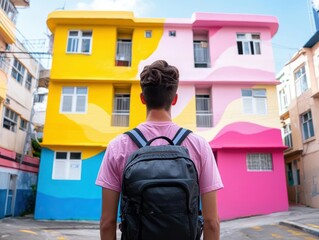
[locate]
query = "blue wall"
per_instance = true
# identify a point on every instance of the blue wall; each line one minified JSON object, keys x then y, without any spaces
{"x":68,"y":199}
{"x":3,"y":194}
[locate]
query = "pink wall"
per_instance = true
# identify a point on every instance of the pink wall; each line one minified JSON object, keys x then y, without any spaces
{"x":250,"y":193}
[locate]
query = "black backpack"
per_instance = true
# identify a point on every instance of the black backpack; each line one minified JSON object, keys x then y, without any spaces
{"x":160,"y":191}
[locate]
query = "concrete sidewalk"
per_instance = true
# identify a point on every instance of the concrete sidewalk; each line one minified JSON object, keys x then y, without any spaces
{"x":301,"y":217}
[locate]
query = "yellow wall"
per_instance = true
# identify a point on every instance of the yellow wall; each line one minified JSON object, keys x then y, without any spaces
{"x":96,"y":71}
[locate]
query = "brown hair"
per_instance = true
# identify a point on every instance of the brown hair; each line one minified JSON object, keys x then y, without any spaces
{"x":159,"y":82}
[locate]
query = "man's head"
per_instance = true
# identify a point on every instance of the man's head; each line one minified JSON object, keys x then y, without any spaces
{"x":159,"y":82}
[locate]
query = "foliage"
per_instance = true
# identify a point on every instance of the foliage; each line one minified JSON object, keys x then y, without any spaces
{"x":36,"y":147}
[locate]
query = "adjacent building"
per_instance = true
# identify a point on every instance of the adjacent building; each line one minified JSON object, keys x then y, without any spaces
{"x":18,"y":74}
{"x":299,"y":110}
{"x":227,"y":94}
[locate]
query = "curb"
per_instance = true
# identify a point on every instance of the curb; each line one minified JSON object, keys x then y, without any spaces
{"x":302,"y":227}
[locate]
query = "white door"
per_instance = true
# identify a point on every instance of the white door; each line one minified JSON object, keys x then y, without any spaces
{"x":11,"y":192}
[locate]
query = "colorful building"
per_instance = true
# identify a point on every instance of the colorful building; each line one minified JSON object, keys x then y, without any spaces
{"x":18,"y":74}
{"x":227,"y":94}
{"x":299,"y":110}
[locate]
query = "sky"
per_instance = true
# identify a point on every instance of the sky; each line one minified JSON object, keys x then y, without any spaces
{"x":296,"y":23}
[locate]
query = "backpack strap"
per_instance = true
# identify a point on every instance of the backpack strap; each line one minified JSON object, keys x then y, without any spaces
{"x":181,"y":134}
{"x":137,"y":137}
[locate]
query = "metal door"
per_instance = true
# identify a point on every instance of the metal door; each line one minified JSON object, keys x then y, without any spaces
{"x":11,"y":192}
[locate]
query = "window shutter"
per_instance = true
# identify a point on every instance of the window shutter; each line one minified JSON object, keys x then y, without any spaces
{"x":75,"y":170}
{"x":60,"y":169}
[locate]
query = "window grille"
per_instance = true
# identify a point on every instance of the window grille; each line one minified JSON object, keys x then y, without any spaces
{"x":121,"y":110}
{"x":259,"y":162}
{"x":203,"y":111}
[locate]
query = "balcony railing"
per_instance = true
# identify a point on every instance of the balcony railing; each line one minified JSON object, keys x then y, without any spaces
{"x":204,"y":120}
{"x":9,"y":9}
{"x":120,"y":119}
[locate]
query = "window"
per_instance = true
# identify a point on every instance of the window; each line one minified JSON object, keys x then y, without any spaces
{"x":307,"y":125}
{"x":254,"y":101}
{"x":28,"y":82}
{"x":79,"y":42}
{"x":248,"y":43}
{"x":10,"y":119}
{"x":201,"y":54}
{"x":18,"y":71}
{"x":287,"y":135}
{"x":283,"y":99}
{"x":148,"y":33}
{"x":203,"y":111}
{"x":259,"y":162}
{"x":39,"y":98}
{"x":124,"y":52}
{"x":23,"y":124}
{"x":121,"y":108}
{"x":67,"y":166}
{"x":301,"y":81}
{"x":172,"y":33}
{"x":74,"y":99}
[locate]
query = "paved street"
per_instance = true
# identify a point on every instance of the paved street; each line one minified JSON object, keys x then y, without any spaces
{"x":273,"y":226}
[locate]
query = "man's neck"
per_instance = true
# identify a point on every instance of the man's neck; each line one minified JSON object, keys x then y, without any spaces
{"x":159,"y":115}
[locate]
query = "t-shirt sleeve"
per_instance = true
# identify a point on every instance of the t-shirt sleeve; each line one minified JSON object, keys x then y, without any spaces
{"x":109,"y":173}
{"x":209,"y":179}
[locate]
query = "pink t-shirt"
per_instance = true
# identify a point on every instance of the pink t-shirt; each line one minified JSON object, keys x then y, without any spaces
{"x":120,"y":148}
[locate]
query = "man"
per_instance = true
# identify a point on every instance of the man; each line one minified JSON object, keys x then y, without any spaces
{"x":159,"y":82}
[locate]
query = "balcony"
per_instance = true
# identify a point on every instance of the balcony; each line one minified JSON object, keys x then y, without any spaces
{"x":204,"y":120}
{"x":21,"y":3}
{"x":8,"y":17}
{"x":9,"y":8}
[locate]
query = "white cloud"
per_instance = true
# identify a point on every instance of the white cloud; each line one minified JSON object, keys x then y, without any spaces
{"x":137,"y":6}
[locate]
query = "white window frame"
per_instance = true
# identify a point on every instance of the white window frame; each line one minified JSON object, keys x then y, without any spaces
{"x":123,"y":52}
{"x":121,"y":117}
{"x":10,"y":117}
{"x":301,"y":82}
{"x":306,"y":122}
{"x":259,"y":162}
{"x":201,"y":54}
{"x":252,"y":100}
{"x":287,"y":135}
{"x":284,"y":99}
{"x":28,"y":81}
{"x":204,"y":116}
{"x":74,"y":96}
{"x":18,"y":71}
{"x":23,"y":124}
{"x":250,"y":43}
{"x":64,"y":165}
{"x":75,"y":43}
